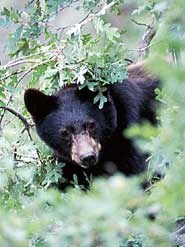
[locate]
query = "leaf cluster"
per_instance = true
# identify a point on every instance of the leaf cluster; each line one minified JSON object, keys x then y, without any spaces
{"x":60,"y":56}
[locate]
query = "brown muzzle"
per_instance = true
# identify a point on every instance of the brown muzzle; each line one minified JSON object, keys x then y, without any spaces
{"x":85,"y":150}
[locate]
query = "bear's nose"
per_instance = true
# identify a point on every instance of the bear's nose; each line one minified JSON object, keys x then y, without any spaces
{"x":88,"y":159}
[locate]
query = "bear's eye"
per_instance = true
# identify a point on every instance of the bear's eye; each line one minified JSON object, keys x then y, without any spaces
{"x":90,"y":125}
{"x":65,"y":133}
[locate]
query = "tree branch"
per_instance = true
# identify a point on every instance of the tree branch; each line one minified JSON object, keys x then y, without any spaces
{"x":21,"y":78}
{"x":11,"y":74}
{"x":25,"y":59}
{"x":62,"y":8}
{"x":139,"y":23}
{"x":141,"y":49}
{"x":26,"y":124}
{"x":34,"y":67}
{"x":17,"y":114}
{"x":145,"y":43}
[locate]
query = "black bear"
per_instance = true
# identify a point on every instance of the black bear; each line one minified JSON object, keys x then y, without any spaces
{"x":89,"y":140}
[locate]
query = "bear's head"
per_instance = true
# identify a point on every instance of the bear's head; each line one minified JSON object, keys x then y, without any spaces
{"x":70,"y":124}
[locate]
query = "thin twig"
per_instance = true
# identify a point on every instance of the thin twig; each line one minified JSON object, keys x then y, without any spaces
{"x":34,"y":67}
{"x":23,"y":161}
{"x":26,"y":124}
{"x":141,"y":49}
{"x":85,"y":17}
{"x":21,"y":78}
{"x":11,"y":74}
{"x":139,"y":23}
{"x":17,"y":114}
{"x":61,"y":29}
{"x":62,"y":8}
{"x":70,"y":26}
{"x":89,"y":17}
{"x":26,"y":156}
{"x":25,"y":58}
{"x":19,"y":62}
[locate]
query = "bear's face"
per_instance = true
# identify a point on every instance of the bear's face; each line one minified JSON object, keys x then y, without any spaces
{"x":70,"y":124}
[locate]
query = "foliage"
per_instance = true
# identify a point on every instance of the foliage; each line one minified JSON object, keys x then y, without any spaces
{"x":80,"y":57}
{"x":116,"y":212}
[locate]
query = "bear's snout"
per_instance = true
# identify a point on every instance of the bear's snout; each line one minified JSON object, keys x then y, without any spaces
{"x":85,"y":150}
{"x":89,"y":159}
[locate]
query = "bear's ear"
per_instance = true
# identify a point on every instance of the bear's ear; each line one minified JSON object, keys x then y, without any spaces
{"x":38,"y":104}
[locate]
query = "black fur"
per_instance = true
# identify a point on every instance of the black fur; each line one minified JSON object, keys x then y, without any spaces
{"x":129,"y":102}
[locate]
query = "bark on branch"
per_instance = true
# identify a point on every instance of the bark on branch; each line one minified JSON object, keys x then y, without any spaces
{"x":145,"y":43}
